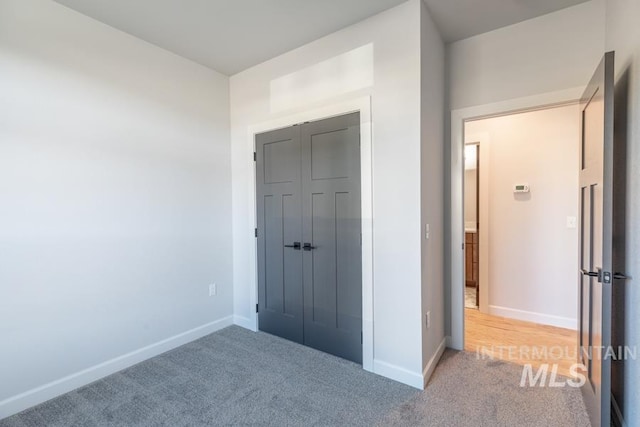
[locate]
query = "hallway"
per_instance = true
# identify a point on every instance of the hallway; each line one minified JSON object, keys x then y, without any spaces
{"x":520,"y":342}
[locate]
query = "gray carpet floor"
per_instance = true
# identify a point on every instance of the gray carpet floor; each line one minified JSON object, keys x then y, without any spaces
{"x":237,"y":377}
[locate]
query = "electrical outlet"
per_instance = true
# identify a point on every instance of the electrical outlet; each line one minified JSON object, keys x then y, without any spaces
{"x":213,"y":289}
{"x":571,"y":222}
{"x":428,"y":319}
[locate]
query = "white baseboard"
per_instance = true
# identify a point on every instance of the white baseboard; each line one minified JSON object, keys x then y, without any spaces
{"x":531,"y":316}
{"x":398,"y":373}
{"x":48,"y":391}
{"x":433,"y":362}
{"x":245,"y":322}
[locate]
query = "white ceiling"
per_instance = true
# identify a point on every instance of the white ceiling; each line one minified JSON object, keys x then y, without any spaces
{"x":229,"y":35}
{"x":232,"y":35}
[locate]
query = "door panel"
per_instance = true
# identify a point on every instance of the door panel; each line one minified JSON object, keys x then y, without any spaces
{"x":281,"y":159}
{"x":308,"y":191}
{"x":348,"y":269}
{"x":323,"y":290}
{"x":596,"y":240}
{"x":331,"y":224}
{"x":279,"y":211}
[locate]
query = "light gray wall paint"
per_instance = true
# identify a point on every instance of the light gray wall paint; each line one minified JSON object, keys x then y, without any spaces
{"x":432,"y":97}
{"x":545,"y":54}
{"x":115,"y":190}
{"x":623,"y":36}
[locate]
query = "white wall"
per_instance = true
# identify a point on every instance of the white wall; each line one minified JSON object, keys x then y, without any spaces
{"x":396,"y":113}
{"x":432,"y":189}
{"x":623,"y":36}
{"x":115,"y":191}
{"x":545,"y":54}
{"x":470,"y":199}
{"x":533,"y":255}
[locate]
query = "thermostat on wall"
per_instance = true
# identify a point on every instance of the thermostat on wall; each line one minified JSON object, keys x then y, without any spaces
{"x":521,"y":188}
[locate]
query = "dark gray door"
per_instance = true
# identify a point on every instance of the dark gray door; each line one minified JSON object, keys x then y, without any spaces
{"x":279,"y":215}
{"x":331,"y":227}
{"x":596,"y":240}
{"x":309,"y":253}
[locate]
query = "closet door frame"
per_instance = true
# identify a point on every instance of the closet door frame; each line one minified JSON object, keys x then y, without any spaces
{"x":360,"y":105}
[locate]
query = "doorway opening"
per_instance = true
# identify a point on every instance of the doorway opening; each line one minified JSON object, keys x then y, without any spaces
{"x":520,"y":204}
{"x":598,"y":182}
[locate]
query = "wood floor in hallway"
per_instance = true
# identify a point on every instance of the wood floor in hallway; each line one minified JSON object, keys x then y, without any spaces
{"x":520,"y":342}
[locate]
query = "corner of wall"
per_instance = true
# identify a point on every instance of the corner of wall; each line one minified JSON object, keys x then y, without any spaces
{"x":432,"y":106}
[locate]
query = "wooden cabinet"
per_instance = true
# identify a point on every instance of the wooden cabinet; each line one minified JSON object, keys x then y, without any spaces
{"x":471,"y":258}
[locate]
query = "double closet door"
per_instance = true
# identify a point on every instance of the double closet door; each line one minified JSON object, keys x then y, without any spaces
{"x":309,"y":241}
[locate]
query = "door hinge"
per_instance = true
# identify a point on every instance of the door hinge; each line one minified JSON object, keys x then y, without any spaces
{"x":255,"y":156}
{"x":463,"y":246}
{"x":256,"y":308}
{"x":255,"y":232}
{"x":361,"y":338}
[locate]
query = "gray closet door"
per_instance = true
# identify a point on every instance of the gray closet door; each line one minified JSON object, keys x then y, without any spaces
{"x":331,"y":231}
{"x":309,"y":254}
{"x":279,"y":215}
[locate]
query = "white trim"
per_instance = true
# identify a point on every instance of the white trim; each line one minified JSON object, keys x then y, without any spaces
{"x":245,"y":322}
{"x":398,"y":373}
{"x":433,"y":362}
{"x":535,"y":317}
{"x":458,"y":118}
{"x":35,"y":396}
{"x":363,"y":106}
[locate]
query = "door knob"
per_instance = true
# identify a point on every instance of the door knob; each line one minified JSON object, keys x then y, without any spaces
{"x":308,"y":247}
{"x":296,"y":246}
